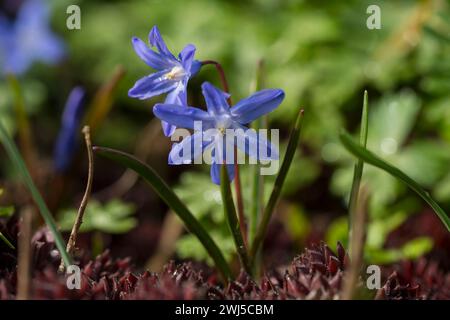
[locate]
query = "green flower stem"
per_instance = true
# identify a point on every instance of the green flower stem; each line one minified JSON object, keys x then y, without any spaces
{"x":357,"y":173}
{"x":373,"y":160}
{"x":16,"y":158}
{"x":172,"y":200}
{"x":233,"y":223}
{"x":276,"y":191}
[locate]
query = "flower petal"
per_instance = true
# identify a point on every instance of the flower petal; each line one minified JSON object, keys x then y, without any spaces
{"x":66,"y":143}
{"x":258,"y":104}
{"x":187,"y":56}
{"x":168,"y":129}
{"x":157,"y":41}
{"x":192,"y":144}
{"x":215,"y":172}
{"x":195,"y":67}
{"x":153,"y":59}
{"x":183,"y":117}
{"x":178,"y":95}
{"x":256,"y":144}
{"x":152,"y":85}
{"x":216,"y":99}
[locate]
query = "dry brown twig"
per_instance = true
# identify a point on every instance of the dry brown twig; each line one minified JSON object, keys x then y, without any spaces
{"x":79,"y":219}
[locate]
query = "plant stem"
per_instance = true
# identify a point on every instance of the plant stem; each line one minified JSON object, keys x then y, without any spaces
{"x":357,"y":173}
{"x":237,"y":178}
{"x":233,"y":223}
{"x":24,"y":254}
{"x":16,"y":158}
{"x":357,"y":245}
{"x":276,"y":191}
{"x":79,"y":219}
{"x":257,"y":179}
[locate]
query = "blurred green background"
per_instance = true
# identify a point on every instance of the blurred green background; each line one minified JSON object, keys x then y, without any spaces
{"x":322,"y":54}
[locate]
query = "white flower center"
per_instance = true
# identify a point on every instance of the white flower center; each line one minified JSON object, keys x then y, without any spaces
{"x":223,"y":122}
{"x":177,"y":73}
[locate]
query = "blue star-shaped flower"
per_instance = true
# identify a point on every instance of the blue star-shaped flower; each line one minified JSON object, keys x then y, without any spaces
{"x":28,"y":38}
{"x":220,"y":117}
{"x":172,"y":76}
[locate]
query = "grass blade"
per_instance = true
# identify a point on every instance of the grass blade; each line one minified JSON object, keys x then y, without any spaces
{"x":357,"y":173}
{"x":6,"y":241}
{"x":276,"y":191}
{"x":23,"y":125}
{"x":103,"y":101}
{"x":231,"y":215}
{"x":16,"y":158}
{"x":172,"y":200}
{"x":373,"y":160}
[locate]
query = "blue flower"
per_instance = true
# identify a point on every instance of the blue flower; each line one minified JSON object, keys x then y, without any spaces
{"x":172,"y":76}
{"x":215,"y":125}
{"x":67,"y":142}
{"x":28,"y":38}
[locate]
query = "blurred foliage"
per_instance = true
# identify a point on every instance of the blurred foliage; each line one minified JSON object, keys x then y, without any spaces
{"x":374,"y":250}
{"x":5,"y":212}
{"x":114,"y":217}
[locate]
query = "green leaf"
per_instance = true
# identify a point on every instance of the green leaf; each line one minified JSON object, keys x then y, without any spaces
{"x":188,"y":246}
{"x":201,"y":196}
{"x":6,"y":212}
{"x":338,"y":231}
{"x":391,"y":122}
{"x":16,"y":158}
{"x":113,"y":217}
{"x":372,"y":159}
{"x":417,"y":247}
{"x":278,"y":186}
{"x":358,"y":171}
{"x":411,"y":250}
{"x":171,"y":199}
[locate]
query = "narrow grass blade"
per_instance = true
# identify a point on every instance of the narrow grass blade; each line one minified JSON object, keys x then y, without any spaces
{"x":23,"y":124}
{"x":372,"y":159}
{"x":172,"y":200}
{"x":357,"y":173}
{"x":276,"y":191}
{"x":16,"y":158}
{"x":103,"y":101}
{"x":231,"y":216}
{"x":6,"y":241}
